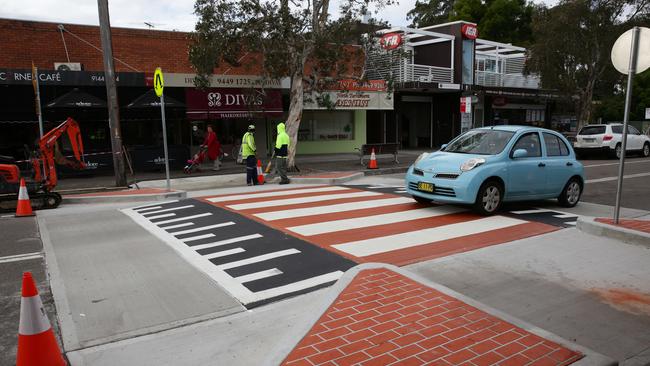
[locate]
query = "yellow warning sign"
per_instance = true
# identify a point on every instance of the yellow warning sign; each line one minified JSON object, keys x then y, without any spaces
{"x":158,"y":82}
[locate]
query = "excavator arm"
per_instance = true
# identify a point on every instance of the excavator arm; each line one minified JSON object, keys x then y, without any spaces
{"x":49,"y":154}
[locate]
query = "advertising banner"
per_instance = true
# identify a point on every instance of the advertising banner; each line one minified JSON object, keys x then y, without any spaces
{"x":218,"y":103}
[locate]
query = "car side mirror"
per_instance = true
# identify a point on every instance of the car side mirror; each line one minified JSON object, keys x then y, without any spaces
{"x":442,"y":147}
{"x":519,"y":153}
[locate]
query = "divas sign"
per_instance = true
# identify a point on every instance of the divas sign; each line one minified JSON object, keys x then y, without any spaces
{"x":232,"y":103}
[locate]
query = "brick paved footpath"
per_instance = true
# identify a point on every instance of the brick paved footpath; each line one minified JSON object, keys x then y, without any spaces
{"x":639,"y":225}
{"x":385,"y":318}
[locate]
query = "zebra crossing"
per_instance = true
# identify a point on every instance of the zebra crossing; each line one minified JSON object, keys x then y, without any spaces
{"x":365,"y":225}
{"x":251,"y":261}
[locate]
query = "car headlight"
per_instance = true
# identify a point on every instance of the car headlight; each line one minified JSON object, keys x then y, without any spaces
{"x":422,"y":156}
{"x":471,"y":164}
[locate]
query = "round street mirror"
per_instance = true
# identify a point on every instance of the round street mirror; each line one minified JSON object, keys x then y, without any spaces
{"x":623,"y":48}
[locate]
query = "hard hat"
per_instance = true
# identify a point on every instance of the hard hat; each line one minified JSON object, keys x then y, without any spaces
{"x":251,"y":127}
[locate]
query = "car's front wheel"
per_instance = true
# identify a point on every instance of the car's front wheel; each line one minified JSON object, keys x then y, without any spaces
{"x":489,"y":198}
{"x":571,"y":193}
{"x":419,"y":199}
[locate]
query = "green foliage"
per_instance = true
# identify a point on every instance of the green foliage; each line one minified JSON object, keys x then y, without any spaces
{"x":429,"y":12}
{"x":611,"y":108}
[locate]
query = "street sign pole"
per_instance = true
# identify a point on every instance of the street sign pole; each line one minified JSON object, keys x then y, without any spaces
{"x":164,"y":128}
{"x":626,"y":118}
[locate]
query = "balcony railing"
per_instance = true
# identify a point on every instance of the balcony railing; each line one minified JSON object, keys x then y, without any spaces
{"x":495,"y":79}
{"x":425,"y":74}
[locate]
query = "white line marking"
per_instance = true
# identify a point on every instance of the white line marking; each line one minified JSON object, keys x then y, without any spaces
{"x":293,"y":201}
{"x":167,"y":209}
{"x":226,"y":241}
{"x":565,"y":216}
{"x":147,"y":208}
{"x":224,"y":253}
{"x":202,"y":228}
{"x":571,"y":223}
{"x":177,"y":226}
{"x":199,"y":237}
{"x":607,"y":164}
{"x":5,"y":216}
{"x":20,"y":257}
{"x":161,"y":216}
{"x":183,"y":218}
{"x":142,"y":207}
{"x":375,"y":220}
{"x":341,"y":207}
{"x":259,"y":275}
{"x":367,"y":247}
{"x":609,"y":179}
{"x":257,"y":259}
{"x":384,"y":186}
{"x":300,"y":285}
{"x":536,"y":210}
{"x":274,"y":194}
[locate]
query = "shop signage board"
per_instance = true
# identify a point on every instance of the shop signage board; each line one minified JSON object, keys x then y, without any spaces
{"x":179,"y":80}
{"x":218,"y":103}
{"x":390,"y":41}
{"x":469,"y":31}
{"x":80,"y":78}
{"x":465,"y":104}
{"x":647,"y":113}
{"x":351,"y":100}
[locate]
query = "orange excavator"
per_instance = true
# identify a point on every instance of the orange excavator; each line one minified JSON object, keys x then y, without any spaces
{"x":43,"y":180}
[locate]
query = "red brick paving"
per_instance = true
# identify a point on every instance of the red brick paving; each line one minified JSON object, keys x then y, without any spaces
{"x":384,"y":318}
{"x":639,"y":225}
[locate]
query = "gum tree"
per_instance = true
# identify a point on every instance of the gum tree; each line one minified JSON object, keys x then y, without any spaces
{"x":298,"y":39}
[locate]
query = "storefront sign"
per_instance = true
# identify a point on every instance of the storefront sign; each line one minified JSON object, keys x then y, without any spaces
{"x":81,"y":78}
{"x":465,"y":104}
{"x":469,"y":31}
{"x":390,"y":41}
{"x":647,"y":113}
{"x":218,"y":81}
{"x":349,"y":100}
{"x":232,"y":103}
{"x":358,"y":85}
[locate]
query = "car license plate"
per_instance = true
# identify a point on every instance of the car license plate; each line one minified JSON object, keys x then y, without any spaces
{"x":425,"y":187}
{"x":589,"y":140}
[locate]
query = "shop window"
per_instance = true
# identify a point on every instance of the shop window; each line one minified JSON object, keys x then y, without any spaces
{"x":534,"y":115}
{"x":326,"y":125}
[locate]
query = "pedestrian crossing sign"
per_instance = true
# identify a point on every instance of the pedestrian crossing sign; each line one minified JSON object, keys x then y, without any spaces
{"x":158,"y":82}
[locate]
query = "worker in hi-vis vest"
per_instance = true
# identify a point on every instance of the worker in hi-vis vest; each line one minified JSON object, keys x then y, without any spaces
{"x":248,"y":154}
{"x":281,"y":153}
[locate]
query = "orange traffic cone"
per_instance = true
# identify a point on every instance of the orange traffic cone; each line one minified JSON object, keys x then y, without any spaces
{"x":260,"y":174}
{"x":373,"y":160}
{"x":24,"y":208}
{"x":36,"y":342}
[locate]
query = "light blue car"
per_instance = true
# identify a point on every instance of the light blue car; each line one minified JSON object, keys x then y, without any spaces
{"x":487,"y":166}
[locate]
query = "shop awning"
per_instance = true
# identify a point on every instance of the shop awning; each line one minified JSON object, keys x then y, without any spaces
{"x":218,"y":103}
{"x":151,"y":100}
{"x":76,"y":99}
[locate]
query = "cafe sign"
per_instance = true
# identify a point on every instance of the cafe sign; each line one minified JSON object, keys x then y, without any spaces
{"x":76,"y":78}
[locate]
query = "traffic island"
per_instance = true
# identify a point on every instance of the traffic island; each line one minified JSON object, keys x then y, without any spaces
{"x":629,"y":231}
{"x":127,"y":195}
{"x":379,"y":314}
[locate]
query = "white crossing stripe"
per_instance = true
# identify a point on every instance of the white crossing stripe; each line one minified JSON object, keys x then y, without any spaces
{"x":21,"y":257}
{"x":376,"y":220}
{"x":341,"y":207}
{"x":300,"y":285}
{"x":259,"y":275}
{"x":237,"y":197}
{"x":148,"y":205}
{"x":293,"y":201}
{"x":226,"y":241}
{"x":224,"y":253}
{"x":565,"y":216}
{"x":525,"y":212}
{"x":183,"y":218}
{"x":147,"y":208}
{"x":199,"y":237}
{"x":161,"y":216}
{"x":571,"y":223}
{"x":168,"y":209}
{"x":202,"y":228}
{"x":367,"y":247}
{"x":257,"y":259}
{"x":177,"y":226}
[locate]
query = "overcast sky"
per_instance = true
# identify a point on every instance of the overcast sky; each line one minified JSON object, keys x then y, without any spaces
{"x":163,"y":14}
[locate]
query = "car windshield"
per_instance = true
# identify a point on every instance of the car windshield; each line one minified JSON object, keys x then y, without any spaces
{"x":482,"y":142}
{"x":592,"y":130}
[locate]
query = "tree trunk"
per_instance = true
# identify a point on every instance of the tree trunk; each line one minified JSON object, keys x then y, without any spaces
{"x":295,"y":115}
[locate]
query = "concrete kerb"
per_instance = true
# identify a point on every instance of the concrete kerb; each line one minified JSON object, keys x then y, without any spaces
{"x":125,"y":198}
{"x":290,"y":341}
{"x":591,"y":226}
{"x":325,"y":180}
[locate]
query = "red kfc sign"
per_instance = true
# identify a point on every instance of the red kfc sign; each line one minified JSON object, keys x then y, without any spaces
{"x":469,"y":31}
{"x":390,"y":41}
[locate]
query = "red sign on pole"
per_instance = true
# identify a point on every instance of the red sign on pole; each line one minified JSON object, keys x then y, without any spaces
{"x":390,"y":41}
{"x":469,"y":31}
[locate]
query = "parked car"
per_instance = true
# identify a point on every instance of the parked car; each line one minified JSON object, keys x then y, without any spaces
{"x":485,"y":167}
{"x":593,"y":139}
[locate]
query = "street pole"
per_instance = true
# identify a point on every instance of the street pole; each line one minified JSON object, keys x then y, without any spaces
{"x":164,"y":130}
{"x":38,"y":101}
{"x":626,"y":119}
{"x":111,"y":93}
